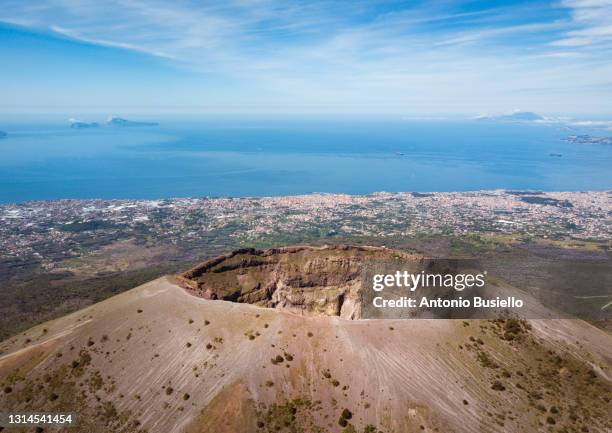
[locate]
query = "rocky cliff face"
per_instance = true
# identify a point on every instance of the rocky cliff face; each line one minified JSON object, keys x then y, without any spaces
{"x":303,"y":279}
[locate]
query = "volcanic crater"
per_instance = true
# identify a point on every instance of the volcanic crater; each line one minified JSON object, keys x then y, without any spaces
{"x":304,"y":279}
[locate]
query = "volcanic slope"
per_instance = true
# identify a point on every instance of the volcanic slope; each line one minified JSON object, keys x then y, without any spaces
{"x":159,"y":359}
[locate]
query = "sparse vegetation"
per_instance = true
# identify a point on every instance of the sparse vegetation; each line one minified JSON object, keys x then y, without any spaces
{"x":346,"y":414}
{"x":485,"y":360}
{"x":277,"y":359}
{"x":498,"y":386}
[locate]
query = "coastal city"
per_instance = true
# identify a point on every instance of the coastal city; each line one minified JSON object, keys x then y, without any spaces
{"x":50,"y":230}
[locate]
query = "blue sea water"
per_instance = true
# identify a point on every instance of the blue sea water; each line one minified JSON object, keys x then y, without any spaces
{"x":234,"y":156}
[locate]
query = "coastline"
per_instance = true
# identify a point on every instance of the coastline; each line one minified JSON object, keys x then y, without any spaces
{"x":416,"y":194}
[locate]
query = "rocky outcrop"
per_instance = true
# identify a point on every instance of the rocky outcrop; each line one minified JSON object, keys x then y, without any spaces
{"x":304,"y":279}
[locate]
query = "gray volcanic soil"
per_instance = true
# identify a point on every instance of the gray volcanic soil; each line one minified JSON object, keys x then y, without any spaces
{"x":159,"y":359}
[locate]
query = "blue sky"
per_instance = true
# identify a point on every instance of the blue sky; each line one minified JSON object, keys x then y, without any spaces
{"x":319,"y":56}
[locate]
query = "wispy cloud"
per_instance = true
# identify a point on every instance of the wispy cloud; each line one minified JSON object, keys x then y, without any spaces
{"x":108,"y":43}
{"x":366,"y":53}
{"x":592,"y":20}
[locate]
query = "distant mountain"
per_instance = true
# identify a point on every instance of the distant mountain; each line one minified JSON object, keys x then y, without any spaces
{"x":516,"y":116}
{"x":521,"y":115}
{"x":3,"y":134}
{"x":77,"y":124}
{"x":118,"y":121}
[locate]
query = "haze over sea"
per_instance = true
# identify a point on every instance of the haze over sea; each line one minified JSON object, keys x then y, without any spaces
{"x":232,"y":156}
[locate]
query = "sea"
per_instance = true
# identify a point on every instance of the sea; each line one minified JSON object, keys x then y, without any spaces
{"x":238,"y":156}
